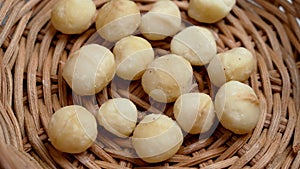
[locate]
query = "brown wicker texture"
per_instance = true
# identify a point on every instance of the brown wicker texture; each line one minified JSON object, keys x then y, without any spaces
{"x":33,"y":53}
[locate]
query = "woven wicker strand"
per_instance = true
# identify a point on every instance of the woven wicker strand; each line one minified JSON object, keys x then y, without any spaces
{"x":33,"y":54}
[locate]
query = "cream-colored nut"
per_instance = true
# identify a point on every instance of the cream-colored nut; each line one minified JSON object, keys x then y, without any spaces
{"x":237,"y":107}
{"x":72,"y":129}
{"x":167,"y":77}
{"x":73,"y":16}
{"x":210,"y":11}
{"x":133,"y":54}
{"x":117,"y":19}
{"x":157,"y":138}
{"x":196,"y":44}
{"x":161,"y":21}
{"x":118,"y":116}
{"x":194,"y":112}
{"x":235,"y":64}
{"x":90,"y":69}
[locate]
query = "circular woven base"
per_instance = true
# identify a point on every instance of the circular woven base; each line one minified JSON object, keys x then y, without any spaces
{"x":33,"y":54}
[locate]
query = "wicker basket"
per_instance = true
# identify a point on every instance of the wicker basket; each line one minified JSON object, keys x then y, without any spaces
{"x":32,"y":88}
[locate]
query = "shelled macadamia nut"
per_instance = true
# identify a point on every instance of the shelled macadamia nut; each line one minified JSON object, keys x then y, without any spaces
{"x":117,"y":19}
{"x":196,"y":44}
{"x":161,"y":21}
{"x":133,"y":54}
{"x":209,"y":11}
{"x":167,"y":77}
{"x":72,"y":129}
{"x":73,"y":16}
{"x":237,"y":107}
{"x":157,"y":138}
{"x":235,"y":64}
{"x":194,"y":112}
{"x":118,"y":116}
{"x":90,"y":69}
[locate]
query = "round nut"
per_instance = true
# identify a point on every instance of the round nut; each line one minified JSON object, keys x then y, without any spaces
{"x":210,"y":11}
{"x":133,"y":54}
{"x":89,"y":70}
{"x":194,"y":112}
{"x":196,"y":44}
{"x":66,"y":18}
{"x":161,"y":21}
{"x":237,"y":107}
{"x":156,"y":138}
{"x":117,"y":19}
{"x":72,"y":129}
{"x":167,"y":77}
{"x":235,"y":64}
{"x":118,"y":116}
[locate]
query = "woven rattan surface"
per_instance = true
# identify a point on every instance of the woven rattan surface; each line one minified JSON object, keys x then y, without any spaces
{"x":33,"y":53}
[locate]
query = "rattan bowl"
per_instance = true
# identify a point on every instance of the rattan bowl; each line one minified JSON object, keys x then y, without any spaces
{"x":33,"y":54}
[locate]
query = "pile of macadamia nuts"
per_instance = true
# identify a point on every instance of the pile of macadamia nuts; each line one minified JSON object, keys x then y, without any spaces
{"x":166,"y":79}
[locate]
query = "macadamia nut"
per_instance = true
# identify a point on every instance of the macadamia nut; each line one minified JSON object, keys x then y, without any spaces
{"x":156,"y":138}
{"x":167,"y":77}
{"x":194,"y":112}
{"x":133,"y":54}
{"x":72,"y":129}
{"x":118,"y":116}
{"x":196,"y":44}
{"x":117,"y":19}
{"x":73,"y":16}
{"x":90,"y":69}
{"x":237,"y":107}
{"x":161,"y":21}
{"x":235,"y":64}
{"x":209,"y":11}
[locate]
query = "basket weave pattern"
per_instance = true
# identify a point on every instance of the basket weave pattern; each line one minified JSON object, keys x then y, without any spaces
{"x":33,"y":53}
